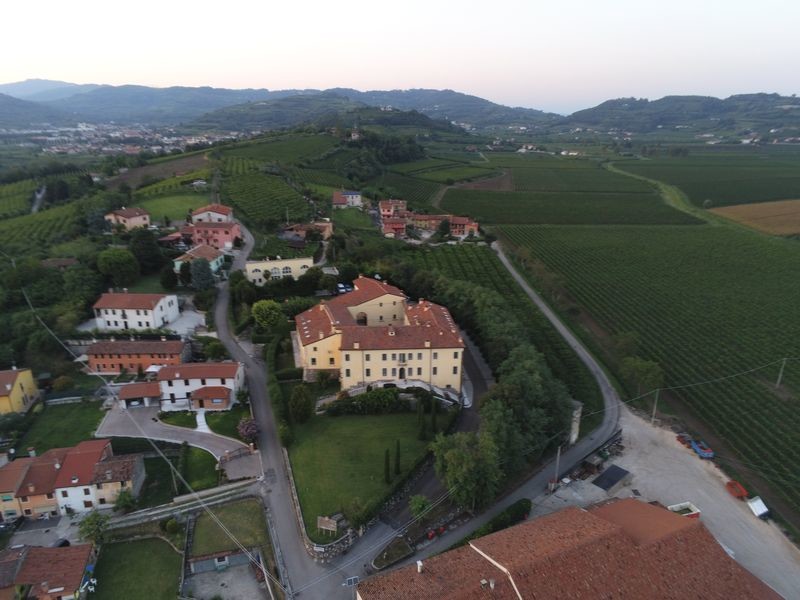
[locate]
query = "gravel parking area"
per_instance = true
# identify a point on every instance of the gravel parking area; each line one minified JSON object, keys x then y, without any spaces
{"x":665,"y":471}
{"x":235,"y":583}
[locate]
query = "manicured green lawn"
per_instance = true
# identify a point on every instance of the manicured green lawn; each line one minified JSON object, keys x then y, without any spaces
{"x":179,"y":419}
{"x":338,"y":462}
{"x":157,"y":488}
{"x":201,"y":470}
{"x":244,"y":519}
{"x":174,"y":206}
{"x":144,"y":569}
{"x":352,"y":218}
{"x":225,"y":422}
{"x":147,"y":284}
{"x":61,"y":426}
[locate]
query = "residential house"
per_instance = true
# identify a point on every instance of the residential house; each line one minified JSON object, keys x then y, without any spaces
{"x":622,"y":549}
{"x":11,"y":476}
{"x":390,"y":208}
{"x":28,"y":572}
{"x":462,"y":227}
{"x":301,"y":230}
{"x":374,"y":334}
{"x":37,"y":490}
{"x":347,"y":199}
{"x":219,"y":235}
{"x":214,"y":257}
{"x":213,"y":213}
{"x":146,"y":393}
{"x":121,"y":311}
{"x":261,"y":271}
{"x":193,"y":386}
{"x":394,"y":227}
{"x":133,"y":355}
{"x":18,"y":390}
{"x":129,"y":218}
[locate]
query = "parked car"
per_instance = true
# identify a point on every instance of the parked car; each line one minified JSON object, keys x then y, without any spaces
{"x":13,"y":524}
{"x":702,"y":449}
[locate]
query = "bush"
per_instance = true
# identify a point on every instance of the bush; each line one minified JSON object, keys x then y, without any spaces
{"x":289,"y":374}
{"x":204,"y":300}
{"x":377,"y":402}
{"x":171,"y":526}
{"x":63,"y":383}
{"x":285,"y":434}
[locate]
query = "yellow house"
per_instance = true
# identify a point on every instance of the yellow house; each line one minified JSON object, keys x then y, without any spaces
{"x":18,"y":390}
{"x":261,"y":271}
{"x":375,"y":335}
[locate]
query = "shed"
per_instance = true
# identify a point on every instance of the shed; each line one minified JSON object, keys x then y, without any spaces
{"x":612,"y":479}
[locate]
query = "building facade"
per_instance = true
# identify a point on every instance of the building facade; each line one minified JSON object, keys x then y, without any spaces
{"x":192,"y":386}
{"x":261,"y":271}
{"x":213,"y":213}
{"x":115,"y":355}
{"x":121,"y":311}
{"x":347,"y":199}
{"x":18,"y":390}
{"x":129,"y":218}
{"x":221,"y":236}
{"x":375,"y":335}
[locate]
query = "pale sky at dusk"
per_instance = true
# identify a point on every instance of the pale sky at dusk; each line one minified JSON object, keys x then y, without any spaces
{"x":557,"y":56}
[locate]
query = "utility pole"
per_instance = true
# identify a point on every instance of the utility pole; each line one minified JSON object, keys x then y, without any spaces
{"x":655,"y":406}
{"x":780,"y":374}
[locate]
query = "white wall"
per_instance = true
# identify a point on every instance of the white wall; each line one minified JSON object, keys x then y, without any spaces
{"x":180,"y":389}
{"x":115,"y":319}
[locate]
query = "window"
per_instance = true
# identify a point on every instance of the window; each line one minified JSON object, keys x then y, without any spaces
{"x":27,"y":511}
{"x":366,"y":358}
{"x":455,"y":354}
{"x":419,"y":355}
{"x":222,"y":381}
{"x":383,"y":357}
{"x":217,"y":401}
{"x":347,"y":358}
{"x":87,"y":504}
{"x":383,"y":372}
{"x":380,"y":303}
{"x":24,"y":499}
{"x":367,"y":372}
{"x":99,"y":486}
{"x":86,"y":491}
{"x":50,"y":496}
{"x":394,"y":356}
{"x":419,"y":371}
{"x":314,"y":348}
{"x":313,"y":362}
{"x":435,"y":355}
{"x":347,"y":372}
{"x":435,"y":370}
{"x":331,"y":361}
{"x":102,"y":501}
{"x":169,"y":383}
{"x":202,"y":382}
{"x":380,"y":318}
{"x":394,"y":372}
{"x":7,"y":497}
{"x":172,"y":398}
{"x":394,"y":317}
{"x":455,"y":370}
{"x":186,"y":381}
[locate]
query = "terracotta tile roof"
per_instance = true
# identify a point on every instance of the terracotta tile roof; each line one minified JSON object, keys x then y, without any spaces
{"x":9,"y":378}
{"x":115,"y":468}
{"x":78,"y":465}
{"x":10,"y":563}
{"x":403,"y":337}
{"x":128,"y":301}
{"x":136,"y":347}
{"x":580,"y":554}
{"x":12,"y":473}
{"x":55,"y":568}
{"x":339,"y":198}
{"x":41,"y":475}
{"x":132,"y":391}
{"x":217,"y":208}
{"x":198,"y":371}
{"x":207,"y":225}
{"x":212,"y":392}
{"x":172,"y":237}
{"x":129,"y":213}
{"x":456,"y":220}
{"x":201,"y":251}
{"x":314,"y":324}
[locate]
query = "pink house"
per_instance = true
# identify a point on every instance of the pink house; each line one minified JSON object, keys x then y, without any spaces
{"x":217,"y":235}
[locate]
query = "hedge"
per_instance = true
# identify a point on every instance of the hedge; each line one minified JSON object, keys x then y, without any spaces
{"x":289,"y":374}
{"x":512,"y":515}
{"x":380,"y":401}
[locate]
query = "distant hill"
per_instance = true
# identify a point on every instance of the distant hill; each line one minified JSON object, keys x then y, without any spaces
{"x":42,"y":90}
{"x":759,"y":112}
{"x":16,"y":113}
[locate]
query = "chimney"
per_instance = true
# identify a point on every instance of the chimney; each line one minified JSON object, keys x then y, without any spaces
{"x":391,"y":330}
{"x":13,"y":367}
{"x":124,"y":290}
{"x":57,"y":465}
{"x":8,"y":387}
{"x":31,"y":488}
{"x":419,"y":566}
{"x":163,"y":338}
{"x":108,"y":474}
{"x":491,"y":584}
{"x":31,"y":451}
{"x":111,"y":290}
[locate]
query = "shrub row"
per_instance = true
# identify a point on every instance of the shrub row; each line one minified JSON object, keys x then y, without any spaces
{"x":512,"y":515}
{"x":280,"y":407}
{"x":376,"y":402}
{"x":289,"y":374}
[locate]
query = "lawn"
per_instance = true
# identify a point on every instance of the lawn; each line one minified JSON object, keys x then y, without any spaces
{"x":179,"y":419}
{"x":244,"y":519}
{"x":173,"y":206}
{"x":201,"y":470}
{"x":338,"y":462}
{"x":352,"y":218}
{"x":225,"y":422}
{"x":62,"y":426}
{"x":147,"y":284}
{"x":157,"y":487}
{"x":143,"y":569}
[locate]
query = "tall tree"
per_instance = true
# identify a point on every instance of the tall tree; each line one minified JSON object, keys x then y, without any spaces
{"x":118,"y":264}
{"x":93,"y":527}
{"x":387,"y":474}
{"x":185,"y":274}
{"x":397,"y":457}
{"x":202,"y":277}
{"x":645,"y":375}
{"x":168,"y":278}
{"x":301,"y":404}
{"x":469,"y":464}
{"x":268,"y":314}
{"x":418,"y":505}
{"x":145,"y":248}
{"x":81,"y":284}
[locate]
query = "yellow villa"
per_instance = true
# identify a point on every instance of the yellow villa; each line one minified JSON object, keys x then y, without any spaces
{"x":374,"y":334}
{"x":18,"y":390}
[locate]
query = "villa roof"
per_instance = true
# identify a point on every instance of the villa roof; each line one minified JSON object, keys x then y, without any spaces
{"x":129,"y":213}
{"x":12,"y":473}
{"x":217,"y":208}
{"x":201,"y":251}
{"x":129,"y":301}
{"x":136,"y":347}
{"x":199,"y":371}
{"x":403,"y":337}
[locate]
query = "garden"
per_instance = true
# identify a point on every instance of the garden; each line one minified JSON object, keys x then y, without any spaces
{"x":146,"y":569}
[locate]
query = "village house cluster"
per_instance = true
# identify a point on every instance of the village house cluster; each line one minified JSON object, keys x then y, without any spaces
{"x":396,"y":219}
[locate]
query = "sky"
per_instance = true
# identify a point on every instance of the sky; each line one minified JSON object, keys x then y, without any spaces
{"x":555,"y":56}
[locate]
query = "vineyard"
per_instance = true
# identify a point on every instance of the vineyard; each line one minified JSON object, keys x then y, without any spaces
{"x":32,"y":233}
{"x":320,"y":177}
{"x":173,"y":184}
{"x":569,"y":208}
{"x":237,"y":165}
{"x":456,"y":173}
{"x":15,"y":198}
{"x":417,"y":192}
{"x":262,"y":199}
{"x":551,"y":177}
{"x":706,"y":302}
{"x":726,"y":179}
{"x":426,"y":164}
{"x":480,"y":265}
{"x":289,"y":150}
{"x":334,"y":159}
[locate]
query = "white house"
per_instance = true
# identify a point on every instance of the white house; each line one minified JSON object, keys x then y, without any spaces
{"x":261,"y":271}
{"x":347,"y":199}
{"x":120,"y":311}
{"x":213,"y":213}
{"x":193,"y":386}
{"x":214,"y":257}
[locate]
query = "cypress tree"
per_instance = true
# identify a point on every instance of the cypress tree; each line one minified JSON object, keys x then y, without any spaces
{"x":420,"y":411}
{"x":386,"y":471}
{"x":397,"y":457}
{"x":434,"y":410}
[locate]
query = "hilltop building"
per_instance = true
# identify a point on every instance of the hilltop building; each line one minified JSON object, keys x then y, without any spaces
{"x":375,"y":335}
{"x":395,"y":218}
{"x":129,"y":218}
{"x":121,"y":311}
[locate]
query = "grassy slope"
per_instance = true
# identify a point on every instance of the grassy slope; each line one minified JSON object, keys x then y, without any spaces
{"x":244,"y":519}
{"x":62,"y":426}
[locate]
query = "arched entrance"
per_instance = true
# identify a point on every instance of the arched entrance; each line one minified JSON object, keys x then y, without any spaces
{"x":402,"y":372}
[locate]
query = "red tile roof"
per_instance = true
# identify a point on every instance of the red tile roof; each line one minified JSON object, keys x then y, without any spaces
{"x":339,"y":198}
{"x":136,"y":347}
{"x":198,"y":371}
{"x":78,"y":465}
{"x":212,"y":392}
{"x":116,"y":468}
{"x":10,"y":564}
{"x":201,"y":251}
{"x":129,"y":213}
{"x":54,"y":568}
{"x":605,"y":552}
{"x":41,"y":475}
{"x":208,"y":225}
{"x":12,"y":473}
{"x":217,"y":208}
{"x":403,"y":337}
{"x":131,"y":391}
{"x":128,"y":301}
{"x":9,"y":378}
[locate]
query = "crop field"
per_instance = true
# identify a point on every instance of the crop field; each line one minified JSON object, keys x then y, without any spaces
{"x":456,"y":173}
{"x":321,"y":177}
{"x":550,"y":176}
{"x":426,"y":164}
{"x":493,"y":207}
{"x":237,"y":165}
{"x":35,"y":232}
{"x":160,"y":169}
{"x":175,"y":207}
{"x":15,"y":198}
{"x":173,"y":184}
{"x":334,"y":159}
{"x":286,"y":151}
{"x":706,"y":302}
{"x":263,"y":199}
{"x":781,"y":217}
{"x":726,"y":179}
{"x":479,"y":265}
{"x":417,"y":192}
{"x":532,"y":160}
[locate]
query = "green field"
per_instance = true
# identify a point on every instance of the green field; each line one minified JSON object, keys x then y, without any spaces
{"x":175,"y":207}
{"x":288,"y":150}
{"x":553,"y":176}
{"x":16,"y":198}
{"x":417,"y":192}
{"x":456,"y":173}
{"x":186,"y":419}
{"x":425,"y":164}
{"x":62,"y":426}
{"x":225,"y":422}
{"x":321,"y":177}
{"x":338,"y":462}
{"x":138,"y":570}
{"x":706,"y":302}
{"x":30,"y":233}
{"x":725,"y":178}
{"x":201,"y":470}
{"x":263,"y":199}
{"x":568,"y":208}
{"x":177,"y":184}
{"x":244,"y":519}
{"x":352,"y":218}
{"x":158,"y":484}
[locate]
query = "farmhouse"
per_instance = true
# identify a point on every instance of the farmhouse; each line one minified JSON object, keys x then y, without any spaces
{"x":129,"y":218}
{"x":301,"y":230}
{"x":622,"y":549}
{"x":261,"y":271}
{"x":347,"y":199}
{"x":389,"y":208}
{"x":219,"y":235}
{"x":193,"y":386}
{"x":133,"y":355}
{"x":120,"y":311}
{"x":214,"y":257}
{"x":213,"y":213}
{"x":394,"y":228}
{"x":374,"y":334}
{"x":395,"y":218}
{"x":18,"y":390}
